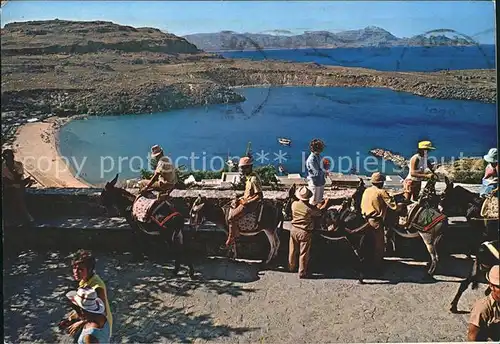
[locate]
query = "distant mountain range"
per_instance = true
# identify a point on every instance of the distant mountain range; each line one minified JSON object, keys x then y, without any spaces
{"x":371,"y":36}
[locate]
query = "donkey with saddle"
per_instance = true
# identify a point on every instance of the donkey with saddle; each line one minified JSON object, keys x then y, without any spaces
{"x":148,"y":215}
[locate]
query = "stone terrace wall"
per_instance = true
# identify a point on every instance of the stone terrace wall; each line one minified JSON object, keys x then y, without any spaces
{"x":76,"y":202}
{"x":54,"y":203}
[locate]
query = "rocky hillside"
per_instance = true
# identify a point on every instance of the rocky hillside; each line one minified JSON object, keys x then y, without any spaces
{"x":367,"y":37}
{"x":158,"y":78}
{"x":71,"y":37}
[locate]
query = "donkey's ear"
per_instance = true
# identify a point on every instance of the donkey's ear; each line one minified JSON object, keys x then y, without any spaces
{"x":113,"y":182}
{"x":361,"y":182}
{"x":198,"y":207}
{"x":447,"y":181}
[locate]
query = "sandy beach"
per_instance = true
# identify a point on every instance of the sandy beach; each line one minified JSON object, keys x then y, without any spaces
{"x":36,"y":147}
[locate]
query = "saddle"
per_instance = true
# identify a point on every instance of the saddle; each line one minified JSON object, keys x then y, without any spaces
{"x":413,"y":212}
{"x":250,"y":222}
{"x":489,"y":209}
{"x":490,"y":245}
{"x":146,"y":209}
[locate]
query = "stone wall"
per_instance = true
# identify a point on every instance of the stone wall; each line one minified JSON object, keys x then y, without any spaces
{"x":77,"y":202}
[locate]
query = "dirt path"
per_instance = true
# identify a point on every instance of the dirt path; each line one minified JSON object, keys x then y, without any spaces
{"x":232,"y":302}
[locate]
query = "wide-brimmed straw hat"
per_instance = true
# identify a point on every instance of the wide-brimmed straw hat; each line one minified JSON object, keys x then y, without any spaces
{"x":86,"y":299}
{"x":377,"y":178}
{"x":156,"y":151}
{"x":492,"y":155}
{"x":245,"y":161}
{"x":303,"y":193}
{"x":425,"y":145}
{"x":493,"y":276}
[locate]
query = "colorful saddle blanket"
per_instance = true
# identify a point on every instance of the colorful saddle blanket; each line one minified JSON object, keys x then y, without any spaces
{"x":142,"y":206}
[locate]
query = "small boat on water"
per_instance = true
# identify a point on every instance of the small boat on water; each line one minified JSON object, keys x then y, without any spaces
{"x":284,"y":141}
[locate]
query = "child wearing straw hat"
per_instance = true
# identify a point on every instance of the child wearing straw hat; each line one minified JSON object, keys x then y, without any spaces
{"x":90,"y":308}
{"x":83,"y":266}
{"x":484,"y":319}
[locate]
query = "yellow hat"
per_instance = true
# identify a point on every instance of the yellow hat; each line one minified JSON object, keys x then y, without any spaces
{"x":425,"y":145}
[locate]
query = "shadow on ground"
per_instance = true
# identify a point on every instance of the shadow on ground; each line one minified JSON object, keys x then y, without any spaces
{"x":336,"y":260}
{"x":148,"y":303}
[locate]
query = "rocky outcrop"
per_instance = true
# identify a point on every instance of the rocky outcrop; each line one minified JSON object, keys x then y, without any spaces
{"x":143,"y":99}
{"x":71,"y":37}
{"x":395,"y":158}
{"x":463,"y":170}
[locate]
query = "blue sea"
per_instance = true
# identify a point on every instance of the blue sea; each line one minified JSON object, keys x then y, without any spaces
{"x":417,"y":59}
{"x":350,"y":120}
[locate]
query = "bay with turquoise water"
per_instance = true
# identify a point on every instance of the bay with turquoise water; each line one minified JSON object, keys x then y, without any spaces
{"x":350,"y":120}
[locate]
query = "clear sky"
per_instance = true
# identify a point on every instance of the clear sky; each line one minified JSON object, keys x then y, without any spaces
{"x":402,"y":18}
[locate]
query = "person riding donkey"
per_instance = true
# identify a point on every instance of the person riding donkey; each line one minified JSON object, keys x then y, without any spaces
{"x":164,"y":177}
{"x":420,"y":170}
{"x":490,"y":179}
{"x":378,"y":208}
{"x":250,"y":201}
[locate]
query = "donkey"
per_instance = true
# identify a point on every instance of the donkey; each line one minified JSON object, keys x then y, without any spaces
{"x":487,"y":256}
{"x":270,"y":221}
{"x":458,"y":201}
{"x":340,"y":225}
{"x":425,"y":220}
{"x":165,"y":221}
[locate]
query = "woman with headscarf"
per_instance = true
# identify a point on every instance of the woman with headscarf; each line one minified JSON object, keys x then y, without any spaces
{"x":490,"y":178}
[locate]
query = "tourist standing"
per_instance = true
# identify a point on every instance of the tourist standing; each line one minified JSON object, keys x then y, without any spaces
{"x":14,"y":185}
{"x":83,"y":268}
{"x":490,"y":179}
{"x":418,"y":171}
{"x":375,"y":205}
{"x":303,"y":214}
{"x":484,"y":322}
{"x":90,"y":308}
{"x":315,"y":173}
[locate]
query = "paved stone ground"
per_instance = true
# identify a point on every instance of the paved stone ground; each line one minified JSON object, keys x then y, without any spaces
{"x":235,"y":302}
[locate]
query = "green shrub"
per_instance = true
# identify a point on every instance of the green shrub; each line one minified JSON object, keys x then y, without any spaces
{"x":265,"y":173}
{"x":468,"y":171}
